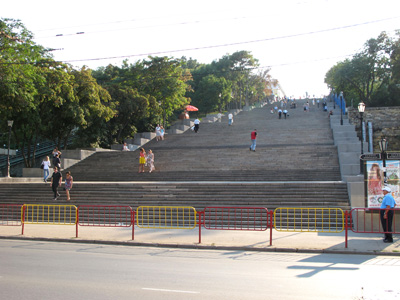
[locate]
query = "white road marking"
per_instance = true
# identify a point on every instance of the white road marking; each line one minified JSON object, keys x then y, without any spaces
{"x":170,"y":291}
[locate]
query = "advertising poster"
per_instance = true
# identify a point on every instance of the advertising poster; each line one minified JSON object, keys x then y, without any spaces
{"x":375,"y":181}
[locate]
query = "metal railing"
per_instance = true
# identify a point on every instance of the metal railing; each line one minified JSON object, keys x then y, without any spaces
{"x":45,"y":214}
{"x":166,"y":217}
{"x":285,"y":219}
{"x":105,"y":216}
{"x":235,"y":218}
{"x":295,"y":219}
{"x":367,"y":220}
{"x":10,"y":215}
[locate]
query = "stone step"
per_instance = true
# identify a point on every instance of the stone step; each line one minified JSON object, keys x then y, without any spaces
{"x":184,"y":194}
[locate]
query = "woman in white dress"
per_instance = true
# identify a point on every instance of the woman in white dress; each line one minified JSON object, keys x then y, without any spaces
{"x":150,"y":161}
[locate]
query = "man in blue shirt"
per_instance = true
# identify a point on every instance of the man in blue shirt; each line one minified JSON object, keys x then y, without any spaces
{"x":387,"y":213}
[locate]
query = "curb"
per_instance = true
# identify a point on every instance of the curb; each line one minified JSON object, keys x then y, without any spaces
{"x":200,"y":247}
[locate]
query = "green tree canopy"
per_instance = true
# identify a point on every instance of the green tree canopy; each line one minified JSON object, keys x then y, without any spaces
{"x":370,"y":75}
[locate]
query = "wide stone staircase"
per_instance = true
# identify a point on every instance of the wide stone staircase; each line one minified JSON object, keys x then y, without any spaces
{"x":299,"y":148}
{"x":295,"y":165}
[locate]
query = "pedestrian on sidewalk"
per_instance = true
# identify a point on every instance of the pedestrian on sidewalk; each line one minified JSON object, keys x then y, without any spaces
{"x":69,"y":181}
{"x":142,"y":160}
{"x":150,"y":161}
{"x":253,"y":136}
{"x":196,"y":125}
{"x":230,"y":119}
{"x":285,"y":113}
{"x":219,"y":116}
{"x":56,"y":180}
{"x":46,"y":168}
{"x":386,"y":213}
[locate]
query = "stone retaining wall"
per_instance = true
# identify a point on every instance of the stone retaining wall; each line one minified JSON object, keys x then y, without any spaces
{"x":385,"y":123}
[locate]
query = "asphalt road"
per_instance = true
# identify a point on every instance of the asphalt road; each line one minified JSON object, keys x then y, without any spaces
{"x":44,"y":270}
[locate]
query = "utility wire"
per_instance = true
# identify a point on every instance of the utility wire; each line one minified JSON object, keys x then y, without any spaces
{"x":150,"y":26}
{"x":237,"y":43}
{"x":124,"y":21}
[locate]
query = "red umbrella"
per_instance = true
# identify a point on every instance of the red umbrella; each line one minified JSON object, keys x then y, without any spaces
{"x":191,"y":108}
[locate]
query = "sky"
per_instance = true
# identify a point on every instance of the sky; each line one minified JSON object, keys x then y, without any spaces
{"x":299,"y":40}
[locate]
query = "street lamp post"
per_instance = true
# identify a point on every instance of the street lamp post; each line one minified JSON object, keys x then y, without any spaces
{"x":341,"y":109}
{"x":383,"y":144}
{"x":10,"y":124}
{"x":361,"y":109}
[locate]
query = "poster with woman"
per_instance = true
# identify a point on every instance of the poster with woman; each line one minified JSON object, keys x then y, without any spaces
{"x":375,"y":181}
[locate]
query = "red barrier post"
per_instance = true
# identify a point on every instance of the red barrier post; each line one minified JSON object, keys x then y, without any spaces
{"x":346,"y":227}
{"x":77,"y":221}
{"x":133,"y":224}
{"x":23,"y":219}
{"x":271,"y":225}
{"x":200,"y":222}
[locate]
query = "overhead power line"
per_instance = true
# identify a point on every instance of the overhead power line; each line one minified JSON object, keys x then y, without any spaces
{"x":236,"y":43}
{"x":143,"y":19}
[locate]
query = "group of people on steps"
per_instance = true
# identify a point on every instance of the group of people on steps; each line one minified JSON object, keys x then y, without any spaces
{"x":146,"y":160}
{"x":56,"y":177}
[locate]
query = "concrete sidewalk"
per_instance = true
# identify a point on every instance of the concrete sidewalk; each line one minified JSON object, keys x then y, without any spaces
{"x":371,"y":244}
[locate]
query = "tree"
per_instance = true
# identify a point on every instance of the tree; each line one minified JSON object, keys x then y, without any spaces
{"x":164,"y":79}
{"x":212,"y":94}
{"x":92,"y":111}
{"x":19,"y":73}
{"x":393,"y":86}
{"x":368,"y":76}
{"x":240,"y":81}
{"x":131,"y":108}
{"x":189,"y":64}
{"x":125,"y":85}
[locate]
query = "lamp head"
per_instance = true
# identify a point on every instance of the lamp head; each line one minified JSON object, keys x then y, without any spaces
{"x":361,"y":107}
{"x":383,"y":144}
{"x":10,"y":123}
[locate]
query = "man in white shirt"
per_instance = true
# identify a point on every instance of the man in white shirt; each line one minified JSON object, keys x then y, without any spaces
{"x":230,"y":118}
{"x":196,"y":125}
